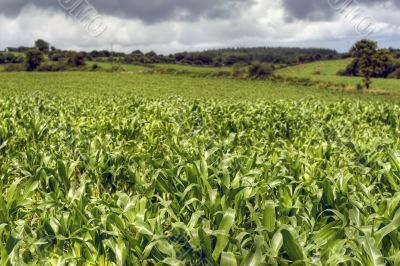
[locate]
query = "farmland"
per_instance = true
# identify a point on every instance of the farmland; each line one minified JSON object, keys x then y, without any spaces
{"x":326,"y":71}
{"x":141,"y":169}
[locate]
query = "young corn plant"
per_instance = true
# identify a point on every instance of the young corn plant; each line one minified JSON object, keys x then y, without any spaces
{"x":101,"y":180}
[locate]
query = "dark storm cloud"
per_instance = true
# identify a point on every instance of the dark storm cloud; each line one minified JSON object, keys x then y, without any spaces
{"x":149,"y":11}
{"x":321,"y":10}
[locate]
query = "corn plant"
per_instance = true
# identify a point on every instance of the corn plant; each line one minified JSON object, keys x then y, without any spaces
{"x":136,"y":181}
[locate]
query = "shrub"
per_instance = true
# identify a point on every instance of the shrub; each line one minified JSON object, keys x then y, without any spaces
{"x":15,"y":68}
{"x":10,"y":58}
{"x":76,"y":59}
{"x":239,"y":70}
{"x":95,"y":67}
{"x":33,"y":59}
{"x":260,"y":70}
{"x":116,"y":68}
{"x":56,"y":56}
{"x":52,"y":67}
{"x":395,"y":74}
{"x":341,"y":72}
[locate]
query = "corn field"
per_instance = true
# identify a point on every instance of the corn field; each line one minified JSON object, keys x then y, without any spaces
{"x":140,"y":181}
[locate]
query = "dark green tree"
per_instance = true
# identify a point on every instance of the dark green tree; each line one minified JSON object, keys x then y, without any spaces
{"x":369,"y":61}
{"x":75,"y":59}
{"x":42,"y":46}
{"x":33,"y":59}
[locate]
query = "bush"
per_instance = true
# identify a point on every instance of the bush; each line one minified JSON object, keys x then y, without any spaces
{"x":33,"y":59}
{"x":395,"y":74}
{"x":239,"y":70}
{"x":52,"y":67}
{"x":259,"y":70}
{"x":56,"y":56}
{"x":76,"y":59}
{"x":95,"y":67}
{"x":15,"y":68}
{"x":116,"y":68}
{"x":10,"y":58}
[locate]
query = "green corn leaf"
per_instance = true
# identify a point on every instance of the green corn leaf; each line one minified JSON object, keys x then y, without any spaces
{"x":292,"y":246}
{"x":269,"y":216}
{"x":121,"y":252}
{"x":205,"y":242}
{"x":228,"y":259}
{"x":224,"y":227}
{"x":276,"y":244}
{"x":392,"y":226}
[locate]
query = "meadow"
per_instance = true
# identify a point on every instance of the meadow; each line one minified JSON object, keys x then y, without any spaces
{"x":134,"y":168}
{"x":326,"y":71}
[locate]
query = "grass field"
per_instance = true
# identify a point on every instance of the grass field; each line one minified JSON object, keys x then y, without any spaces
{"x":177,"y":67}
{"x":108,"y":66}
{"x":194,"y":69}
{"x":132,"y":168}
{"x":148,"y":85}
{"x":327,"y":72}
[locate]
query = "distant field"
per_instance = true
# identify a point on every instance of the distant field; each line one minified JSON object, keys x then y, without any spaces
{"x":187,"y":68}
{"x":139,"y":84}
{"x":107,"y":66}
{"x":195,"y":69}
{"x":317,"y":71}
{"x":327,"y":72}
{"x":130,"y":168}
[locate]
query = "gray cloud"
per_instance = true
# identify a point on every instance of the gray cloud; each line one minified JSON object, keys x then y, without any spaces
{"x":149,"y":11}
{"x":192,"y":24}
{"x":324,"y":10}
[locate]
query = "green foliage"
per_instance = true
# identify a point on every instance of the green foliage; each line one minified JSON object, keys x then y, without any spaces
{"x":395,"y":74}
{"x":52,"y":67}
{"x":95,"y":67}
{"x":239,"y":70}
{"x":116,"y":68}
{"x":42,"y":46}
{"x":75,"y":59}
{"x":260,"y":70}
{"x":114,"y":179}
{"x":329,"y":73}
{"x":369,"y":61}
{"x":33,"y":59}
{"x":364,"y":48}
{"x":14,"y":68}
{"x":10,"y":58}
{"x":272,"y":55}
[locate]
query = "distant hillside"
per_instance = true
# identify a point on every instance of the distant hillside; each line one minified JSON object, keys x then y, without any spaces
{"x":276,"y":55}
{"x":215,"y":57}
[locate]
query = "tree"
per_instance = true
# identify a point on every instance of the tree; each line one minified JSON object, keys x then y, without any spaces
{"x":76,"y":59}
{"x":33,"y":59}
{"x":364,"y":48}
{"x":382,"y":63}
{"x":42,"y":46}
{"x":137,"y":52}
{"x":369,"y":61}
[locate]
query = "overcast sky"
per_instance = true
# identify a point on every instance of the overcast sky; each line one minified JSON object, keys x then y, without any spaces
{"x":176,"y":25}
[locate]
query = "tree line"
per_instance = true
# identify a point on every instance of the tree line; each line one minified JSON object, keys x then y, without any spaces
{"x":215,"y":57}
